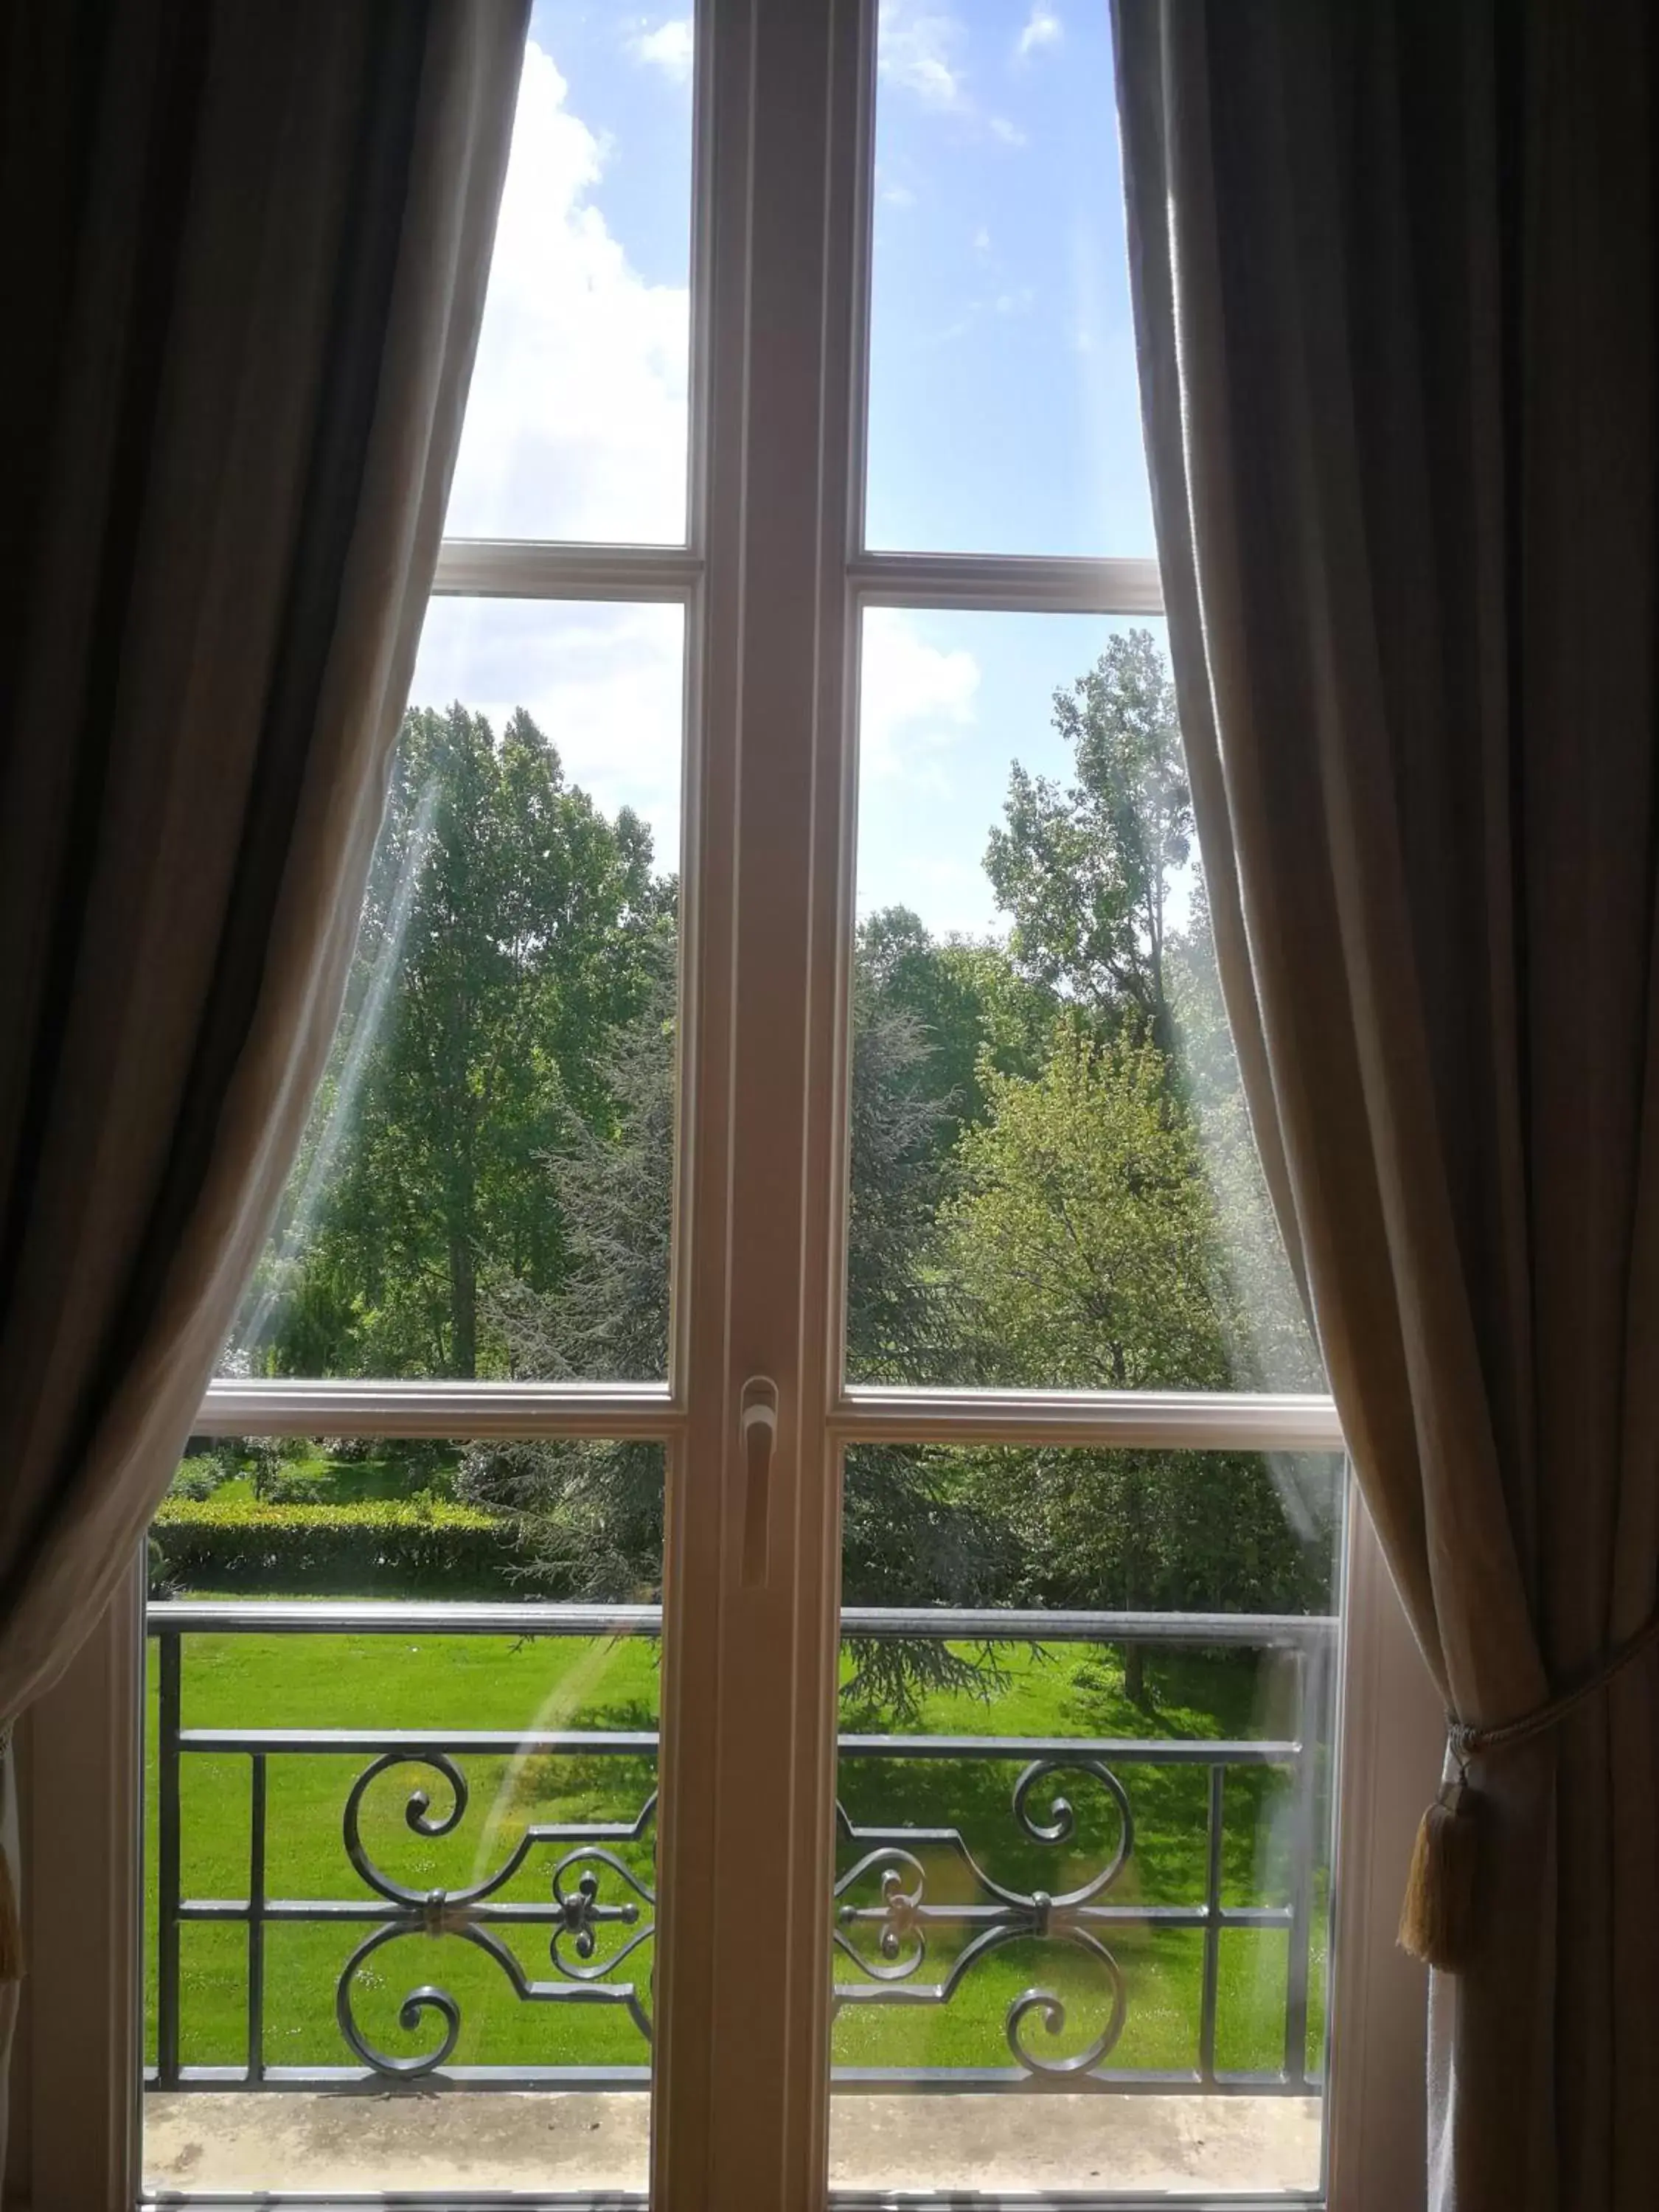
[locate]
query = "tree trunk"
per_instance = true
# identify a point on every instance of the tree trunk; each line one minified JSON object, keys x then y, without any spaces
{"x":463,"y":1308}
{"x":1134,"y":1675}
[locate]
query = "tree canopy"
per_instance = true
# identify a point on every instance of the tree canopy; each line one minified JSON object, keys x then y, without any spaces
{"x":1086,"y":870}
{"x":509,"y":930}
{"x":1051,"y":1181}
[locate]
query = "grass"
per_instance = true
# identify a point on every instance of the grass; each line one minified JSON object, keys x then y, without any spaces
{"x":434,"y":1683}
{"x":377,"y":1475}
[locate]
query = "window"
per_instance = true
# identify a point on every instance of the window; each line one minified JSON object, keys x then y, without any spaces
{"x":770,"y":1536}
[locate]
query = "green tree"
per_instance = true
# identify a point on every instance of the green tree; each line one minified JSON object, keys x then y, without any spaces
{"x":1087,"y":870}
{"x":594,"y":1510}
{"x":1085,"y":1243}
{"x":507,"y":934}
{"x":1270,"y":1345}
{"x":1085,"y":1237}
{"x":972,"y":1012}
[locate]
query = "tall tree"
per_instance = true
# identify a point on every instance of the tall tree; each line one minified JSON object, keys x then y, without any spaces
{"x":1086,"y":1241}
{"x":505,"y":936}
{"x":1084,"y":1236}
{"x":594,"y":1511}
{"x":971,"y":1010}
{"x":1087,"y":870}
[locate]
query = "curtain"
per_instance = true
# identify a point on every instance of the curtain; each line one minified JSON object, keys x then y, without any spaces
{"x":1394,"y":285}
{"x":246,"y":255}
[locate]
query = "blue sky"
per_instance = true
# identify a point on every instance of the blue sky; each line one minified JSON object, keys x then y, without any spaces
{"x":1003,"y":413}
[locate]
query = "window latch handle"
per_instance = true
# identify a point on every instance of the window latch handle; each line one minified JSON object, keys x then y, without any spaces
{"x":757,"y":1435}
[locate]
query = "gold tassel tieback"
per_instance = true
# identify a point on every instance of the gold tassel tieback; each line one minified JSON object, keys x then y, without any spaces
{"x":1439,"y":1918}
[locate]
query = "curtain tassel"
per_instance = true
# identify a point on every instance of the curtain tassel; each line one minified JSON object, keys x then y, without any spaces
{"x":1436,"y":1921}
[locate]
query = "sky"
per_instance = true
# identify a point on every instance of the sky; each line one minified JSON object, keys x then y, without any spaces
{"x":1003,"y":408}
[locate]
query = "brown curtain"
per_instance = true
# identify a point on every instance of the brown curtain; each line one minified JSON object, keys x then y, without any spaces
{"x":1395,"y":276}
{"x":246,"y":249}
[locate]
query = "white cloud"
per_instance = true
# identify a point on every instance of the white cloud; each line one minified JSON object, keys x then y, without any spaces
{"x":605,"y":683}
{"x":917,"y":49}
{"x":916,"y":700}
{"x":576,"y":420}
{"x":667,"y":48}
{"x":1044,"y":28}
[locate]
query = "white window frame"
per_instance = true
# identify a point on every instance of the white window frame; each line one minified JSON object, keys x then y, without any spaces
{"x":774,"y":585}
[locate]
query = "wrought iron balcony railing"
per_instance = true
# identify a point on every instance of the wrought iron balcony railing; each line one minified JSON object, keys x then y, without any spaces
{"x":916,"y":1912}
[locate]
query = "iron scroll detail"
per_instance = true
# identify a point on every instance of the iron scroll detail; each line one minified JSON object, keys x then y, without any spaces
{"x":591,"y":1889}
{"x":986,"y":1916}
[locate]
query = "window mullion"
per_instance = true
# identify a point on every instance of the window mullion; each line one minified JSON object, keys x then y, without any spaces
{"x":749,"y":1653}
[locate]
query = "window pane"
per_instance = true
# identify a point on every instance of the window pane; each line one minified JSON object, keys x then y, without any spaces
{"x":485,"y":1187}
{"x":399,"y":1818}
{"x":1053,"y":1179}
{"x":576,"y":418}
{"x":1085,"y":1853}
{"x":1003,"y":417}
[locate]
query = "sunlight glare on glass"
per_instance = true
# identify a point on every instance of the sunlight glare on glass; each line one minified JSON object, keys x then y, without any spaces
{"x":483,"y":1188}
{"x":1054,"y":1181}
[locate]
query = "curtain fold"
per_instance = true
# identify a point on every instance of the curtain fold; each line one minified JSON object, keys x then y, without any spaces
{"x":1394,"y":283}
{"x":251,"y":246}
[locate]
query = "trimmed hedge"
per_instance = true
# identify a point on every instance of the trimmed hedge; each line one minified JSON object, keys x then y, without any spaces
{"x":378,"y":1547}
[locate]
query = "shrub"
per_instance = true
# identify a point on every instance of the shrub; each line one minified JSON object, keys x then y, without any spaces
{"x":225,"y":1452}
{"x":197,"y":1477}
{"x":291,"y":1487}
{"x":379,"y":1548}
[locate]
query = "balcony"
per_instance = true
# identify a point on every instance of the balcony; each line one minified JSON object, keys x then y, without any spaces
{"x":1061,"y":1959}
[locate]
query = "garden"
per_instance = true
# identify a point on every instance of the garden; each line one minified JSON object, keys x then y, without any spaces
{"x":1051,"y":1182}
{"x":430,"y":1684}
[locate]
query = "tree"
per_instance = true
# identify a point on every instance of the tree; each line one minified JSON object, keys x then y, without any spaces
{"x":507,"y":933}
{"x":1085,"y":1242}
{"x":971,"y":1010}
{"x":594,"y":1510}
{"x":1084,"y":1238}
{"x":1271,"y":1347}
{"x":1087,"y":870}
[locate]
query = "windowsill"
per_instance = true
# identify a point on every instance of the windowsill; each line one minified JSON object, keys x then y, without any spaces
{"x":569,"y":2142}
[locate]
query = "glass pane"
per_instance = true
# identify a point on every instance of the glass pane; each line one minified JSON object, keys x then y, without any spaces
{"x":1004,"y":414}
{"x":1083,"y":1869}
{"x":401,"y":1843}
{"x":1053,"y":1178}
{"x":485,"y":1186}
{"x":577,"y":415}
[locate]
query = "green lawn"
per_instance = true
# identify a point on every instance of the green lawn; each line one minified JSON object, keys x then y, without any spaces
{"x":477,"y":1682}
